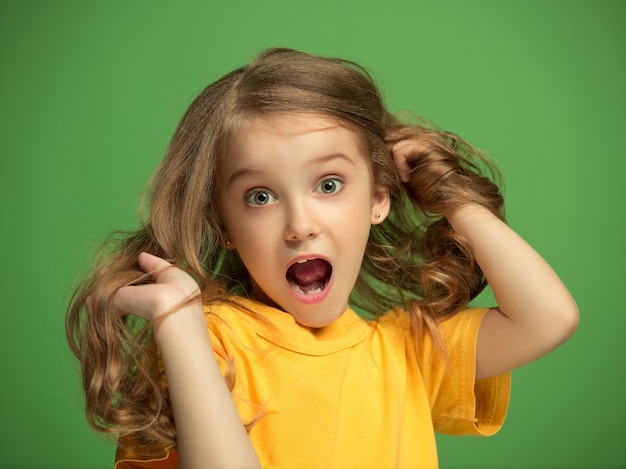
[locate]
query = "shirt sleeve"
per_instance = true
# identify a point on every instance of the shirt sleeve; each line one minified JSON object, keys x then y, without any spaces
{"x":462,"y":405}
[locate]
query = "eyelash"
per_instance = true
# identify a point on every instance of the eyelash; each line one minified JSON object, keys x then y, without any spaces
{"x":250,"y":196}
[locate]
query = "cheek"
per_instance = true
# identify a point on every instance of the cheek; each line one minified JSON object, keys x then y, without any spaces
{"x":253,"y":243}
{"x":360,"y":212}
{"x":234,"y":223}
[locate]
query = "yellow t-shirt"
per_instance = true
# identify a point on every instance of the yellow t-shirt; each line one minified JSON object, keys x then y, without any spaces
{"x":354,"y":394}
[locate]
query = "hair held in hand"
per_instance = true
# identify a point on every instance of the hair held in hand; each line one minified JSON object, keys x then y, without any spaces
{"x":413,"y":259}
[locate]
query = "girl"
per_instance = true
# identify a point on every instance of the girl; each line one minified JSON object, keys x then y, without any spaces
{"x":289,"y":198}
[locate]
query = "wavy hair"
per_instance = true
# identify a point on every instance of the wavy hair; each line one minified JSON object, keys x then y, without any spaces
{"x":413,"y":259}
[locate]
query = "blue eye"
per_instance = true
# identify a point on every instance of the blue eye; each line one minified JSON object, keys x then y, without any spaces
{"x":330,"y":185}
{"x":259,"y":198}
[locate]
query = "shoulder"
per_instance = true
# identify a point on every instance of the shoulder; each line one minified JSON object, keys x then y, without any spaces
{"x":232,"y":315}
{"x":464,"y":324}
{"x":460,"y":326}
{"x":232,"y":321}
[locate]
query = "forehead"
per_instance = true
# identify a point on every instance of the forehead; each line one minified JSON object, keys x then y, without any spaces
{"x":311,"y":132}
{"x":293,"y":125}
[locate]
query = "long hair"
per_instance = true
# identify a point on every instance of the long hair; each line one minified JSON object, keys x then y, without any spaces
{"x":414,"y":255}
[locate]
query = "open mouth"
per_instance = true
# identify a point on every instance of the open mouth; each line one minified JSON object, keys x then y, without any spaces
{"x":309,"y":276}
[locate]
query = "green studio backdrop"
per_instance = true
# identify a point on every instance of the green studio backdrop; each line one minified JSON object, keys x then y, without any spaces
{"x":91,"y":92}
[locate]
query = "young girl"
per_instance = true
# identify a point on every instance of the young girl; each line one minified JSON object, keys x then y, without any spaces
{"x":289,"y":199}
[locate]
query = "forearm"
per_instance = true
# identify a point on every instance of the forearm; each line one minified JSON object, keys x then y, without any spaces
{"x":210,"y":433}
{"x":536,"y":307}
{"x":519,"y":277}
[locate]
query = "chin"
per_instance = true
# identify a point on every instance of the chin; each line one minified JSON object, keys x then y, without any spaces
{"x":316,"y":322}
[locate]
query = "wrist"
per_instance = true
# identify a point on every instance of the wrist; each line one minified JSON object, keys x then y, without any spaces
{"x":469,"y":213}
{"x":180,"y":323}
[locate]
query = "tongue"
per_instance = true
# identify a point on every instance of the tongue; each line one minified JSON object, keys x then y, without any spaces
{"x":309,"y":275}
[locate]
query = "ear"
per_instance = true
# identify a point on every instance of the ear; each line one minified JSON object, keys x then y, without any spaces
{"x":381,"y":204}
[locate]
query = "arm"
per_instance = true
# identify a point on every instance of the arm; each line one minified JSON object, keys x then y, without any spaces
{"x":209,"y":430}
{"x":535,"y":312}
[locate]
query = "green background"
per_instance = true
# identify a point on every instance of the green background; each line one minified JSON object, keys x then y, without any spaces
{"x":91,"y":92}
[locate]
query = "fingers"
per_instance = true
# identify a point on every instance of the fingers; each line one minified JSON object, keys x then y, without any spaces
{"x":150,"y":263}
{"x":163,"y":272}
{"x":399,"y":151}
{"x":402,"y":166}
{"x":170,"y":286}
{"x":148,"y":301}
{"x":403,"y":152}
{"x":136,"y":300}
{"x":163,"y":289}
{"x":159,"y":269}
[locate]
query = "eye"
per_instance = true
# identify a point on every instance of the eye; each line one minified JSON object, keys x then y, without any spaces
{"x":330,"y":185}
{"x":259,"y":197}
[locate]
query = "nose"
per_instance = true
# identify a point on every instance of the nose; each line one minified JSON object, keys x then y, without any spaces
{"x":301,"y":222}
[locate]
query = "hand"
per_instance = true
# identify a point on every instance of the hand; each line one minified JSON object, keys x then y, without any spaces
{"x":401,"y":150}
{"x":443,"y":173}
{"x":171,"y":287}
{"x":426,"y":169}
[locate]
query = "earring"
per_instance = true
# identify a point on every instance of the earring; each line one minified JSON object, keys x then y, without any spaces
{"x":228,"y":242}
{"x":377,"y":215}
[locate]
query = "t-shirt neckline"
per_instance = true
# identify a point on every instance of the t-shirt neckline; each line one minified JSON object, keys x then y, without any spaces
{"x":281,"y":329}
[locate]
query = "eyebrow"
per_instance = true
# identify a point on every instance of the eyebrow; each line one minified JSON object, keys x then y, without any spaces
{"x":245,"y":171}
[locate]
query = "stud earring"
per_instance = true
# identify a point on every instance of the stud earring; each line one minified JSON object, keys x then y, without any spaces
{"x":377,"y":215}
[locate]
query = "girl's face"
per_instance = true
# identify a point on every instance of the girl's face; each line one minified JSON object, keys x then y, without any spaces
{"x":297,"y":202}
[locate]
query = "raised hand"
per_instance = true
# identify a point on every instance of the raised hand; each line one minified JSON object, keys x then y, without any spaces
{"x":442,"y":172}
{"x":535,"y":313}
{"x":401,"y":150}
{"x":168,"y":289}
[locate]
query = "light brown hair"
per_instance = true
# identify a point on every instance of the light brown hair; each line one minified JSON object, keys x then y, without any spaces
{"x":414,"y":255}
